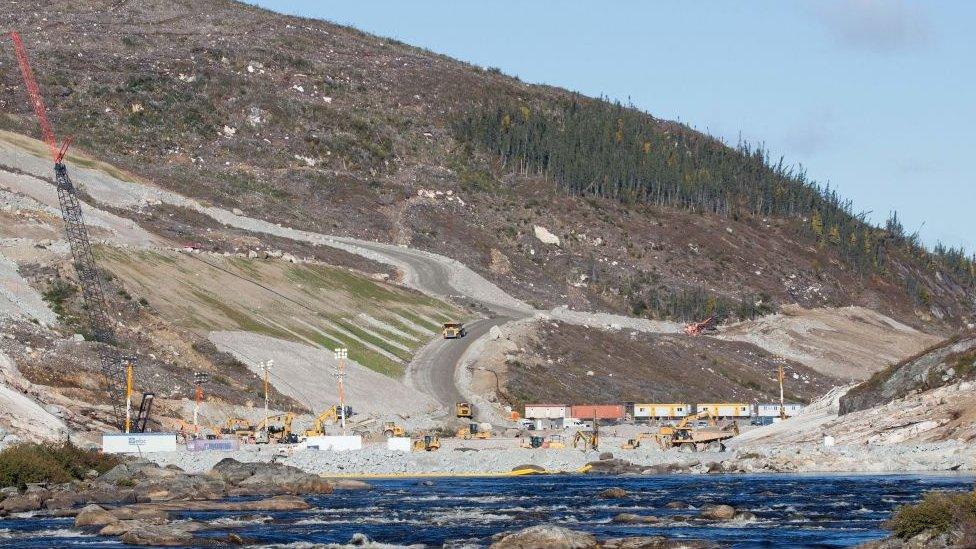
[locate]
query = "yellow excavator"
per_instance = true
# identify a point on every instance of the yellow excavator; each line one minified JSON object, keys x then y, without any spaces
{"x":473,"y":431}
{"x":688,"y":435}
{"x":318,"y":426}
{"x":391,"y":429}
{"x":427,"y":443}
{"x":277,"y":429}
{"x":634,"y":443}
{"x":239,"y":427}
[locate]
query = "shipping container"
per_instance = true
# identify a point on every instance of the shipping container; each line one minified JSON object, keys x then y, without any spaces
{"x":772,"y":410}
{"x":661,"y":411}
{"x":598,"y":411}
{"x":726,"y":410}
{"x":546,"y":411}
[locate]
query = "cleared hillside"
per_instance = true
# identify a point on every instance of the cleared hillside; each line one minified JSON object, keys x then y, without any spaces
{"x":325,"y":128}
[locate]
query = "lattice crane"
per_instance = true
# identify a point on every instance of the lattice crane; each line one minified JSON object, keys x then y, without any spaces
{"x":113,"y":363}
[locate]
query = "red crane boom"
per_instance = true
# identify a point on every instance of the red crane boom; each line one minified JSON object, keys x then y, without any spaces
{"x":36,"y":100}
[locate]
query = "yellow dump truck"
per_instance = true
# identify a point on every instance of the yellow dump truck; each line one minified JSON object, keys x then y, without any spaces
{"x":463,"y":409}
{"x":453,"y":330}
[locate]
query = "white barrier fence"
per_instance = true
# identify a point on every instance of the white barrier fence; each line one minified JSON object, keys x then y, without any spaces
{"x":138,"y":443}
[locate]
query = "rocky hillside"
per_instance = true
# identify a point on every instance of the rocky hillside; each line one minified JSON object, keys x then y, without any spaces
{"x":558,"y":199}
{"x":950,"y":362}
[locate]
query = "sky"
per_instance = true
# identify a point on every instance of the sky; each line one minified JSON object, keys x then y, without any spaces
{"x":875,"y":97}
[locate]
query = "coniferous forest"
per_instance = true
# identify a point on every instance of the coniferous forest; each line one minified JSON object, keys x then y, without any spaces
{"x":595,"y":147}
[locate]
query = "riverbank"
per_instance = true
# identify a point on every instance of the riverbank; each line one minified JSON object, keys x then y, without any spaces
{"x":501,"y":455}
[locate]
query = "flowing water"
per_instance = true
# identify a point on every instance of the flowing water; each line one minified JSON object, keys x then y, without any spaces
{"x":791,"y":511}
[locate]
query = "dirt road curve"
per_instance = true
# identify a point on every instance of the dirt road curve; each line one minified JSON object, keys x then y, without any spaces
{"x":432,"y":369}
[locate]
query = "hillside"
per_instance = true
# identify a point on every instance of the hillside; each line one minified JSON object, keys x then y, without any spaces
{"x":324,"y":128}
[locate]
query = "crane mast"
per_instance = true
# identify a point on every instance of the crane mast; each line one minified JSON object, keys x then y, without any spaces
{"x":102,"y":330}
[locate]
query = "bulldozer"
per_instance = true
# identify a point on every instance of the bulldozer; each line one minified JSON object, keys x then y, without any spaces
{"x":687,"y":435}
{"x":473,"y":431}
{"x":463,"y":409}
{"x":276,"y":429}
{"x":427,"y":443}
{"x":391,"y":429}
{"x":453,"y":330}
{"x":331,"y":414}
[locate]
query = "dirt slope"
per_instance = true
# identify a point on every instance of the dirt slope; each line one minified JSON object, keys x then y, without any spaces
{"x":847,"y":343}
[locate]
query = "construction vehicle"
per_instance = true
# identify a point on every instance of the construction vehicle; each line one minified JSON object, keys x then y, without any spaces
{"x":239,"y":427}
{"x":391,"y":429}
{"x":453,"y":330}
{"x":112,"y":364}
{"x":698,"y":328}
{"x":276,"y":429}
{"x":331,"y":414}
{"x":634,"y":443}
{"x":473,"y":431}
{"x":556,"y":442}
{"x":427,"y":443}
{"x":534,"y":441}
{"x":696,"y":433}
{"x":463,"y":409}
{"x":589,"y":439}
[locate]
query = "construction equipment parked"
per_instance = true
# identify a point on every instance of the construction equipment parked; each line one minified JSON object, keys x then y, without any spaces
{"x":453,"y":330}
{"x":427,"y":443}
{"x":696,"y":433}
{"x":239,"y":428}
{"x":391,"y":429}
{"x":463,"y":409}
{"x":473,"y":430}
{"x":698,"y":328}
{"x":277,"y":429}
{"x":634,"y":443}
{"x":329,"y":415}
{"x":555,"y":442}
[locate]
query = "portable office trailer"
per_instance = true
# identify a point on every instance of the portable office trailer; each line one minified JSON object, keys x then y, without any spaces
{"x":772,"y":409}
{"x":661,"y":411}
{"x":725,"y":410}
{"x":546,"y":411}
{"x":598,"y":411}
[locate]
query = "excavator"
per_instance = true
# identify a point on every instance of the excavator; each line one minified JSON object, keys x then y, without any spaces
{"x":473,"y":431}
{"x":329,"y":415}
{"x":427,"y":443}
{"x":238,"y":427}
{"x":698,"y":328}
{"x":688,"y":435}
{"x":634,"y":443}
{"x":277,"y":429}
{"x":589,"y":439}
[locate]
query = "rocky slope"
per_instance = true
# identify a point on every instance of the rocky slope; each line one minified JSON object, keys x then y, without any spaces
{"x":325,"y":128}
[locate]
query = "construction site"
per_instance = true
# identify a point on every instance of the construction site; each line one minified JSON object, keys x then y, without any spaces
{"x":150,"y":322}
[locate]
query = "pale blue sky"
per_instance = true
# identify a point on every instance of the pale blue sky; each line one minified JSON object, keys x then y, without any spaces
{"x":875,"y":97}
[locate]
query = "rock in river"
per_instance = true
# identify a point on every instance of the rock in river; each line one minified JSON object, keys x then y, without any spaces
{"x":717,"y":512}
{"x":546,"y":536}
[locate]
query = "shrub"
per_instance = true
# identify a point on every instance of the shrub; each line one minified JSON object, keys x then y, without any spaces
{"x":938,"y":511}
{"x":25,"y":463}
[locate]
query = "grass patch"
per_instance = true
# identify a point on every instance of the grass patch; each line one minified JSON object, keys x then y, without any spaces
{"x":376,"y":341}
{"x":418,"y":321}
{"x":25,"y":463}
{"x":938,"y":512}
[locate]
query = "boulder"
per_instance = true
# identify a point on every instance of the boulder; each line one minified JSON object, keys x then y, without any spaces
{"x":613,"y":493}
{"x":109,"y":495}
{"x":21,"y":504}
{"x":178,"y":534}
{"x":277,"y":503}
{"x":630,"y":518}
{"x":232,"y":471}
{"x":676,"y":505}
{"x":546,"y":536}
{"x":282,"y":480}
{"x":613,"y":467}
{"x":530,"y":467}
{"x":717,"y":512}
{"x":121,"y":527}
{"x":62,"y":500}
{"x":605,"y":456}
{"x":653,"y":542}
{"x":141,"y":513}
{"x":544,"y":235}
{"x":349,"y":484}
{"x":94,"y":515}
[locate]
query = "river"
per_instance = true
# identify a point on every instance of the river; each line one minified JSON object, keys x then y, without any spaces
{"x":791,"y":511}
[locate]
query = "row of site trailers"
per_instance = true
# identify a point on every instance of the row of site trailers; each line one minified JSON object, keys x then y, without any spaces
{"x":641,"y":412}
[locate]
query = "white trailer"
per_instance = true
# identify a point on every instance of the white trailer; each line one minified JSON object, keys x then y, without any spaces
{"x":772,"y":409}
{"x":661,"y":411}
{"x":725,"y":410}
{"x":546,"y":411}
